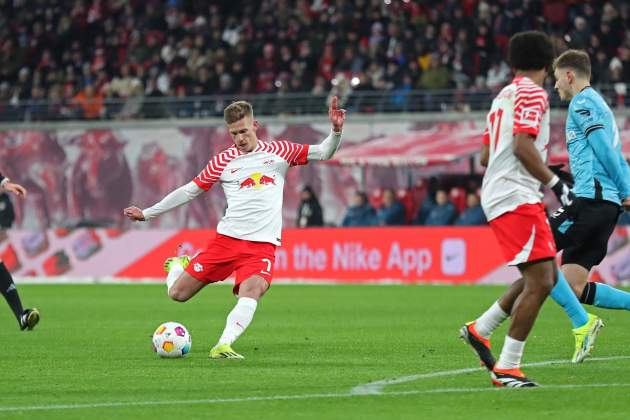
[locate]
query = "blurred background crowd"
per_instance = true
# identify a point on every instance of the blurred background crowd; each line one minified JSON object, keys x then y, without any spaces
{"x":63,"y":59}
{"x":129,"y":59}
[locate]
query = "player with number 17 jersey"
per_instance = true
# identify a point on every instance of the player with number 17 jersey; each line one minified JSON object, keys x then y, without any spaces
{"x":508,"y":189}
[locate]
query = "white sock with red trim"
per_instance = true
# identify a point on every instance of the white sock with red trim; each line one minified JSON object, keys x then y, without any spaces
{"x":490,"y":320}
{"x":238,"y":320}
{"x":173,"y":275}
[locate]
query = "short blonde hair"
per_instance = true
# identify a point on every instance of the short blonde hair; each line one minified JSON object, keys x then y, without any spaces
{"x":237,"y":111}
{"x":576,"y":60}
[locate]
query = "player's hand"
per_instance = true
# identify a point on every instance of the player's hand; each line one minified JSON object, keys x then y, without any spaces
{"x":563,"y":193}
{"x":626,"y":204}
{"x":564,"y":176}
{"x":134,"y":213}
{"x":16,"y":189}
{"x":337,"y":116}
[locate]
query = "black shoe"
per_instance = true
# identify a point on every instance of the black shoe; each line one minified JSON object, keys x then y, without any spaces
{"x":29,"y":319}
{"x":480,"y":345}
{"x":511,"y":378}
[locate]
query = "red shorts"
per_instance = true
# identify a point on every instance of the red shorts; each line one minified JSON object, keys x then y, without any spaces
{"x":225,"y":255}
{"x":524,"y":234}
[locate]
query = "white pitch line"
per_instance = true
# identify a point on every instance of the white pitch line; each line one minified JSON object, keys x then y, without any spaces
{"x":119,"y":404}
{"x":376,"y":387}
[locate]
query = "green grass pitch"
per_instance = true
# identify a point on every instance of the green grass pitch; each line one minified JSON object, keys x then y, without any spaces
{"x":307,"y":349}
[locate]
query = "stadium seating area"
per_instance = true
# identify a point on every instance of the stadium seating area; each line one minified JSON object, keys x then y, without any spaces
{"x":180,"y":48}
{"x":420,"y":200}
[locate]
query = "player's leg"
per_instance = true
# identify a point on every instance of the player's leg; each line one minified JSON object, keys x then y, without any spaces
{"x":572,"y":231}
{"x":185,"y":287}
{"x":253,"y":278}
{"x":564,"y":229}
{"x":597,"y":294}
{"x":561,"y":293}
{"x":241,"y":316}
{"x":586,"y":327}
{"x":568,"y":226}
{"x":180,"y":285}
{"x":513,"y":235}
{"x":477,"y":333}
{"x":186,"y":277}
{"x":26,"y":318}
{"x":589,"y":253}
{"x":538,"y":280}
{"x":527,"y":242}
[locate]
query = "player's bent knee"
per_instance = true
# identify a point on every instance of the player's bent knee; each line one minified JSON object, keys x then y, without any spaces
{"x":578,"y":289}
{"x":178,"y":295}
{"x":546,"y":287}
{"x":253,"y":287}
{"x":541,"y":285}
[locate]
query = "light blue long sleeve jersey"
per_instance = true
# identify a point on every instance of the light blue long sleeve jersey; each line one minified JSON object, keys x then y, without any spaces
{"x":597,"y":164}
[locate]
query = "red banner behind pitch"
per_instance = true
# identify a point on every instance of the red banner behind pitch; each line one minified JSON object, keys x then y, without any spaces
{"x":405,"y":254}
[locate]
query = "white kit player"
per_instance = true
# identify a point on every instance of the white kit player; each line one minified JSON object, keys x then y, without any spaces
{"x":252,"y":174}
{"x":515,"y":151}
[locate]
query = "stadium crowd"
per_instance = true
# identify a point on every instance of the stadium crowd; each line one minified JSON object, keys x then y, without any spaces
{"x":432,"y":202}
{"x":77,"y":53}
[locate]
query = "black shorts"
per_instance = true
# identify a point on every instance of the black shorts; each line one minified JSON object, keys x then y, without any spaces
{"x":582,"y":230}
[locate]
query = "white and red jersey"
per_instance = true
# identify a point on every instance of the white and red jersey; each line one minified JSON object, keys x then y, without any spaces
{"x":520,"y":107}
{"x":253,"y":184}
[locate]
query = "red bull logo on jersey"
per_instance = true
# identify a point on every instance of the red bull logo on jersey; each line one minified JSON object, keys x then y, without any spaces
{"x":257,"y":181}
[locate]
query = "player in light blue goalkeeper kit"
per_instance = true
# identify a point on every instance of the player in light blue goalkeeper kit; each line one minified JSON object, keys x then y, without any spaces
{"x":601,"y":182}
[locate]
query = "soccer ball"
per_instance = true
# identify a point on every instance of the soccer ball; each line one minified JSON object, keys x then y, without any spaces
{"x":171,"y":339}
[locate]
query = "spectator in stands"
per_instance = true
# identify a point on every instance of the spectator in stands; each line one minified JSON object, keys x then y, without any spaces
{"x":473,"y":215}
{"x":392,"y":213}
{"x":579,"y":37}
{"x":310,"y":211}
{"x":436,"y":76}
{"x":123,"y":85}
{"x":498,"y":75}
{"x":210,"y":48}
{"x":443,"y":213}
{"x":360,"y":212}
{"x":90,"y":103}
{"x":428,"y":202}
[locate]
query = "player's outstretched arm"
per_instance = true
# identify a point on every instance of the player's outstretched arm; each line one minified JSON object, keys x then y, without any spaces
{"x":17,"y":189}
{"x":7,"y":185}
{"x":327,"y":148}
{"x":174,"y":199}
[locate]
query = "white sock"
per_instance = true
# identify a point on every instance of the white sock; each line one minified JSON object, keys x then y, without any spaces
{"x":490,"y":320}
{"x":173,"y":275}
{"x":511,"y":354}
{"x":238,"y":320}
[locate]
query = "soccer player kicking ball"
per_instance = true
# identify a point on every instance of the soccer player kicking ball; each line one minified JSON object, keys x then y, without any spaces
{"x":252,"y":174}
{"x":515,"y":150}
{"x":26,"y":318}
